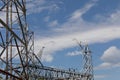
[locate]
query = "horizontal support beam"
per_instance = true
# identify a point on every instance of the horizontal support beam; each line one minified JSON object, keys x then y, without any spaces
{"x":54,"y":73}
{"x":58,"y":70}
{"x":7,"y":73}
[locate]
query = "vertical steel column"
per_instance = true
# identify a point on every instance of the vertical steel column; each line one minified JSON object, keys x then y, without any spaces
{"x":11,"y":46}
{"x":7,"y":35}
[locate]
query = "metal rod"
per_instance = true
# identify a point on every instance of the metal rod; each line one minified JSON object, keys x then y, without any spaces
{"x":7,"y":73}
{"x":7,"y":37}
{"x":12,"y":32}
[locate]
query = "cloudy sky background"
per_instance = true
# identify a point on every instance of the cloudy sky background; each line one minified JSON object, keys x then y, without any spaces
{"x":57,"y":23}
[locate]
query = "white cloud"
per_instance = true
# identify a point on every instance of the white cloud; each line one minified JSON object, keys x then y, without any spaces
{"x":54,"y":8}
{"x":14,"y":53}
{"x":78,"y":13}
{"x":75,"y":21}
{"x":66,"y":40}
{"x":114,"y":17}
{"x":110,"y":58}
{"x":3,"y":16}
{"x":77,"y":28}
{"x":47,"y":58}
{"x":53,"y":23}
{"x":111,"y":55}
{"x":104,"y":65}
{"x":74,"y":53}
{"x":37,"y":6}
{"x":111,"y":19}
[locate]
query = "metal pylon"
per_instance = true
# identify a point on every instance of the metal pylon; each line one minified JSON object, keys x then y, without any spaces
{"x":87,"y":69}
{"x":16,"y":42}
{"x":88,"y":65}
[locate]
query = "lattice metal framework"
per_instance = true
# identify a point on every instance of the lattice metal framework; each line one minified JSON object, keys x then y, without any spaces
{"x":17,"y":57}
{"x":87,"y":61}
{"x":17,"y":43}
{"x":87,"y":69}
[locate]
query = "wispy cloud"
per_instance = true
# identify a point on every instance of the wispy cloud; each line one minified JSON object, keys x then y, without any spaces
{"x":75,"y":20}
{"x":53,"y":23}
{"x":80,"y":12}
{"x":104,"y":65}
{"x":37,"y":6}
{"x":76,"y":27}
{"x":74,"y":53}
{"x":114,"y":17}
{"x":111,"y":18}
{"x":66,"y":40}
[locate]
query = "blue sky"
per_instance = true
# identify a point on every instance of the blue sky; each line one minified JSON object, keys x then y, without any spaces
{"x":56,"y":23}
{"x":96,"y":22}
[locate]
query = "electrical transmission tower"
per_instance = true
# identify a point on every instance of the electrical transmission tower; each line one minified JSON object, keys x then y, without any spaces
{"x":17,"y":42}
{"x":87,"y":62}
{"x":19,"y":62}
{"x":87,"y":70}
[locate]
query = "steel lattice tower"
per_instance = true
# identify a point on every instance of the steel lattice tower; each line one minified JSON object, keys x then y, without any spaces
{"x":87,"y":61}
{"x":17,"y":42}
{"x":87,"y":69}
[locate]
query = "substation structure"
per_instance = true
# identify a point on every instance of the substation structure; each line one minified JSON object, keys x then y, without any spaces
{"x":17,"y":58}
